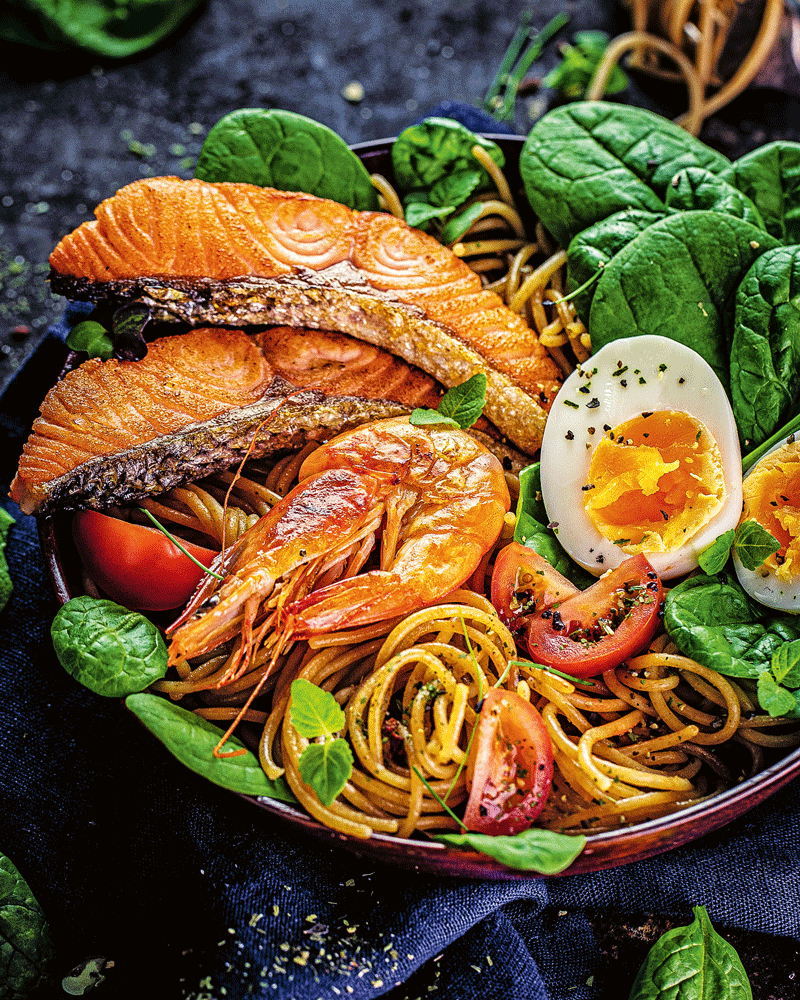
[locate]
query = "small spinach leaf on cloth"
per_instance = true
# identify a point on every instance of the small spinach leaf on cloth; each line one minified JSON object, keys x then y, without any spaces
{"x":191,"y":739}
{"x":436,"y":148}
{"x":26,"y":948}
{"x":697,"y":188}
{"x":676,"y":279}
{"x":713,"y":620}
{"x":280,"y":149}
{"x":531,"y":850}
{"x":765,"y":353}
{"x":692,"y":963}
{"x":586,"y":161}
{"x":770,"y":177}
{"x":107,"y":648}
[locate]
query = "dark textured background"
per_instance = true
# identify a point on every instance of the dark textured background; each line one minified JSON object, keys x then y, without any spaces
{"x":74,"y":129}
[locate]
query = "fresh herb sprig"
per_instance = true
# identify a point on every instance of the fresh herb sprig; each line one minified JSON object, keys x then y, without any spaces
{"x":177,"y":542}
{"x":459,"y":407}
{"x":326,"y":766}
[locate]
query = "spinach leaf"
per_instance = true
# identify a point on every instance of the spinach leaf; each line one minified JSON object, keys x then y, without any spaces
{"x":453,"y":189}
{"x":765,"y":353}
{"x":713,"y":620}
{"x":456,"y":226}
{"x":531,"y":850}
{"x":92,"y":338}
{"x":785,"y":664}
{"x":692,"y":963}
{"x":586,"y":161}
{"x":753,"y":544}
{"x":595,"y":247}
{"x":26,"y":949}
{"x":696,"y":188}
{"x":275,"y":148}
{"x":532,"y":529}
{"x":578,"y":63}
{"x":96,"y":26}
{"x":420,"y":213}
{"x":6,"y":586}
{"x":107,"y":648}
{"x":192,"y":739}
{"x":774,"y":699}
{"x":436,"y":148}
{"x":713,"y":558}
{"x":770,"y":177}
{"x":676,"y":279}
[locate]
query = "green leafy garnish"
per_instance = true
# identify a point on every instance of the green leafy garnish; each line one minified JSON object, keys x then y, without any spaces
{"x":436,"y":148}
{"x":459,"y":407}
{"x":531,"y":850}
{"x":92,"y":338}
{"x":107,"y":648}
{"x":324,"y":766}
{"x":754,"y":544}
{"x":712,"y":559}
{"x":572,"y":75}
{"x":785,"y":664}
{"x":419,"y":213}
{"x":192,"y":740}
{"x":774,"y":699}
{"x":6,"y":586}
{"x":178,"y":544}
{"x":26,"y":948}
{"x":692,"y":963}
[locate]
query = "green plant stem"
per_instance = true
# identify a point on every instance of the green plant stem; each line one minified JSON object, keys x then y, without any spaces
{"x":580,"y":288}
{"x":510,"y":57}
{"x":177,"y":543}
{"x":791,"y":427}
{"x":438,"y":798}
{"x":532,"y":53}
{"x":552,"y":670}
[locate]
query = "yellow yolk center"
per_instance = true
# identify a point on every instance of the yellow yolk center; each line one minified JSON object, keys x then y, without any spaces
{"x":654,"y":481}
{"x":772,"y":497}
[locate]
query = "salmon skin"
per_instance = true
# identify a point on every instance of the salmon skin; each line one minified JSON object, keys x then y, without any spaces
{"x":236,"y":254}
{"x":116,"y":431}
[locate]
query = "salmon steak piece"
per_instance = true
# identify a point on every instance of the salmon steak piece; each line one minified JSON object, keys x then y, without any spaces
{"x":116,"y":431}
{"x":237,"y":255}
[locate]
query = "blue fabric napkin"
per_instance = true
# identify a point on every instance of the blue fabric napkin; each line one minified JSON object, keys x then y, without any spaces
{"x":195,"y":893}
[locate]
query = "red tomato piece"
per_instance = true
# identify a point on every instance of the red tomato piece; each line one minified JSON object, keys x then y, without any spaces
{"x":600,"y":627}
{"x":137,"y":566}
{"x":510,"y":766}
{"x":524,"y":582}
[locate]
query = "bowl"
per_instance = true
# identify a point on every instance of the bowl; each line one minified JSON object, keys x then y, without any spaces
{"x":602,"y":851}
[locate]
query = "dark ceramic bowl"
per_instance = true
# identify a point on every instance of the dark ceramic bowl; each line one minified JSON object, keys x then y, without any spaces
{"x":603,"y":850}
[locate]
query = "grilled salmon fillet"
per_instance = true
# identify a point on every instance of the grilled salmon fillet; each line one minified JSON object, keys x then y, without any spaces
{"x":116,"y":431}
{"x":237,"y":254}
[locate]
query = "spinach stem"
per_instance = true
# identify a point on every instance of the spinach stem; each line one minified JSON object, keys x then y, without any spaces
{"x":580,"y":288}
{"x":786,"y":431}
{"x":532,"y":53}
{"x":177,"y":543}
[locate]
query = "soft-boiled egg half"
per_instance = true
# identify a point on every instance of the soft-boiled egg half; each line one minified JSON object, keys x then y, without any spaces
{"x":641,"y":454}
{"x":772,"y":497}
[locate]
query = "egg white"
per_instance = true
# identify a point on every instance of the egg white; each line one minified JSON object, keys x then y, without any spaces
{"x":624,"y":379}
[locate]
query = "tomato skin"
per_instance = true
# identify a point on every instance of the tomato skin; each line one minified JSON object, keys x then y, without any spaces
{"x":510,"y":766}
{"x":524,"y":582}
{"x":137,"y":566}
{"x":550,"y":635}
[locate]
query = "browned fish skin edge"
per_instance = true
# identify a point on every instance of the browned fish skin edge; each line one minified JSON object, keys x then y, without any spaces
{"x":198,"y":450}
{"x":342,"y":301}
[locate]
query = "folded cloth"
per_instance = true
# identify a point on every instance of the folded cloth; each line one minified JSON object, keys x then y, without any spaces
{"x":195,"y":893}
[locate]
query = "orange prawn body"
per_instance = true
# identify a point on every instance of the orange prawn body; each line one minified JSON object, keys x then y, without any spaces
{"x":436,"y":495}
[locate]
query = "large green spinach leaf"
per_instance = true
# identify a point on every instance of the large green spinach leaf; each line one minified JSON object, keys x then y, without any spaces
{"x":280,"y":149}
{"x":532,"y":850}
{"x":191,"y":739}
{"x":586,"y":161}
{"x":713,"y":620}
{"x":692,"y":963}
{"x":677,"y":279}
{"x":26,"y":949}
{"x":437,"y":148}
{"x":107,"y":648}
{"x":770,"y":177}
{"x":695,"y":188}
{"x":765,"y":354}
{"x":103,"y":27}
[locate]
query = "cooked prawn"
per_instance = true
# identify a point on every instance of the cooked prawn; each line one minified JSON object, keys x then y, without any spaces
{"x":438,"y":498}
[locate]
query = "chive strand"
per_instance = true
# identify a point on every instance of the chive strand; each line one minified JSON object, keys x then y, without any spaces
{"x":179,"y":545}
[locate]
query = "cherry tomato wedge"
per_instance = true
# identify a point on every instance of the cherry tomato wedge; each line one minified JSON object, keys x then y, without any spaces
{"x":600,"y":627}
{"x":524,"y":582}
{"x":510,"y":766}
{"x":136,"y":566}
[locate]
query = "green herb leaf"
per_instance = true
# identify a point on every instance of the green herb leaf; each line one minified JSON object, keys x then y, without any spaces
{"x":191,"y":739}
{"x":419,"y":213}
{"x":785,"y":664}
{"x":774,"y":699}
{"x":435,"y":148}
{"x":280,"y":149}
{"x":107,"y":648}
{"x":325,"y":767}
{"x":454,"y":189}
{"x":459,"y":407}
{"x":92,"y":338}
{"x":458,"y":224}
{"x":712,"y":560}
{"x":422,"y":416}
{"x":754,"y":544}
{"x":578,"y":63}
{"x":314,"y":712}
{"x":531,"y":850}
{"x":26,"y":948}
{"x":6,"y":586}
{"x":692,"y":963}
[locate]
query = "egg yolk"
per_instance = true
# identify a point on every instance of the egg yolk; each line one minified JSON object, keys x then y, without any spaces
{"x":654,"y":481}
{"x":772,"y":497}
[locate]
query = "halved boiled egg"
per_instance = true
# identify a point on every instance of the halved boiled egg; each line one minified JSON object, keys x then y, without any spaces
{"x":641,"y":454}
{"x":772,"y":498}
